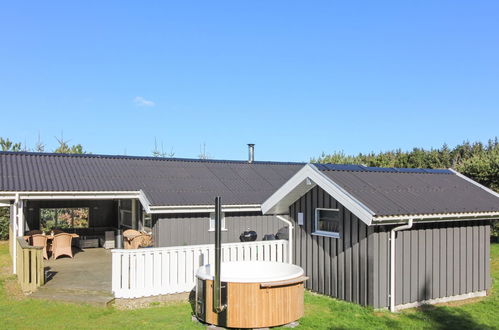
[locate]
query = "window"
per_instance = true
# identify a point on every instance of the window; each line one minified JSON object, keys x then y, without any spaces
{"x":212,"y":222}
{"x":327,"y":222}
{"x":63,"y":218}
{"x":147,"y":218}
{"x":126,"y":218}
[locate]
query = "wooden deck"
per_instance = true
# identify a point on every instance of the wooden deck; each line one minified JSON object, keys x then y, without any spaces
{"x":84,"y":279}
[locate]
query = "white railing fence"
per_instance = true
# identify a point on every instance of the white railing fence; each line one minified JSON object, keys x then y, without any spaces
{"x":157,"y":271}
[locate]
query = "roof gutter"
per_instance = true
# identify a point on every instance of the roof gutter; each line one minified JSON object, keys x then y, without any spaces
{"x":392,"y":261}
{"x":390,"y":220}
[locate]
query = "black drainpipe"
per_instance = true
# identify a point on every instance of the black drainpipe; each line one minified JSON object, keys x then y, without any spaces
{"x":217,"y":285}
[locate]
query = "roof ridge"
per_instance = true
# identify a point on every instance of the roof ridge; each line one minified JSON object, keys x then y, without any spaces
{"x":173,"y":159}
{"x":362,"y":168}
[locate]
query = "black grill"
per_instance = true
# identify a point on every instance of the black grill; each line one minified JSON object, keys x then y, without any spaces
{"x":248,"y":236}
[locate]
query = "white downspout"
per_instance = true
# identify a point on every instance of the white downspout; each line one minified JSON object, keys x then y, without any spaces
{"x":290,"y":235}
{"x":392,"y":261}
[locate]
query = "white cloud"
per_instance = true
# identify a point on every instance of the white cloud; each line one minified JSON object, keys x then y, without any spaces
{"x":142,"y":102}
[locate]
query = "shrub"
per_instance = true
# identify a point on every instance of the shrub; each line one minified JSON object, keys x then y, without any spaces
{"x":4,"y":226}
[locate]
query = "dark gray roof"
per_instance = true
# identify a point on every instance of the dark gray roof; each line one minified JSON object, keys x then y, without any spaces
{"x":398,"y":191}
{"x":165,"y":181}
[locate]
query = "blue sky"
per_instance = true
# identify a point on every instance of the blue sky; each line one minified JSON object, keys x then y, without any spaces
{"x":296,"y":78}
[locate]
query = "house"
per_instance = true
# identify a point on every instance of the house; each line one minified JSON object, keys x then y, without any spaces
{"x":170,"y":197}
{"x":389,"y":237}
{"x":383,"y":237}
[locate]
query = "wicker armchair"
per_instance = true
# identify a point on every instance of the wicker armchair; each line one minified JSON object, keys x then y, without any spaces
{"x":61,"y":245}
{"x":40,"y":240}
{"x":134,"y":239}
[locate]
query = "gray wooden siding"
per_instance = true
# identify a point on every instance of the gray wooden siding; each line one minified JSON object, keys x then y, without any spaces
{"x":192,"y":229}
{"x":433,"y":260}
{"x":342,"y":267}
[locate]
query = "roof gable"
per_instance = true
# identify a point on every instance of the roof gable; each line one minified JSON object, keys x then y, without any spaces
{"x":375,"y":194}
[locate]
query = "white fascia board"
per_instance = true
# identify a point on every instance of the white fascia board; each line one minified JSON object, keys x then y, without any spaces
{"x":490,"y":191}
{"x":144,"y":201}
{"x":289,"y":192}
{"x":203,"y":208}
{"x":4,"y":203}
{"x":355,"y":206}
{"x":286,"y":195}
{"x":158,"y":209}
{"x":37,"y":195}
{"x":8,"y":196}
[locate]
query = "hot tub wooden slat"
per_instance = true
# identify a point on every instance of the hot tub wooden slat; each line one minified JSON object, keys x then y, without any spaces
{"x":252,"y":306}
{"x":283,"y":283}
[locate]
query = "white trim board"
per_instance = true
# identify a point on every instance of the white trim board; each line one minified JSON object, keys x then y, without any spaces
{"x":462,"y":176}
{"x":304,"y":180}
{"x":202,"y":209}
{"x":442,"y":300}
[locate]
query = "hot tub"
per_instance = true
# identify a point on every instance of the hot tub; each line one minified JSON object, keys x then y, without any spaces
{"x":257,"y":294}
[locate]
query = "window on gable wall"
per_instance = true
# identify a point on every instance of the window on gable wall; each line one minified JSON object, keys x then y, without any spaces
{"x":327,"y":222}
{"x":212,"y":222}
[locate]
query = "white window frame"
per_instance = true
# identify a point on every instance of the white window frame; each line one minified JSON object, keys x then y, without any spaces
{"x":322,"y":232}
{"x":212,"y":222}
{"x":122,"y":217}
{"x":144,"y":216}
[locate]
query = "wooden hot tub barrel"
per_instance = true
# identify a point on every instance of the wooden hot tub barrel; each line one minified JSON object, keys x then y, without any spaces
{"x":252,"y":305}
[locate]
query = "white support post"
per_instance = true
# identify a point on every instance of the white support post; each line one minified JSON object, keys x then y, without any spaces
{"x":20,"y":215}
{"x":15,"y":223}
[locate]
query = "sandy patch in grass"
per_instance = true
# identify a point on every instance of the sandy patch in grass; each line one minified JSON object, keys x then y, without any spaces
{"x":12,"y":289}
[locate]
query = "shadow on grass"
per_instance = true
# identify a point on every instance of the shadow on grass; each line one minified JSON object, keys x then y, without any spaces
{"x":192,"y":301}
{"x":442,"y":317}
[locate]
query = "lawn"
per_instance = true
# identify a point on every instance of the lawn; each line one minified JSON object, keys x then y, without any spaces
{"x":321,"y":312}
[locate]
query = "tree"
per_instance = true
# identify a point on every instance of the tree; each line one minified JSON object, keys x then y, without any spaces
{"x":8,"y":145}
{"x":157,"y":153}
{"x":483,"y":167}
{"x":202,"y":152}
{"x":39,"y":146}
{"x":65,"y":148}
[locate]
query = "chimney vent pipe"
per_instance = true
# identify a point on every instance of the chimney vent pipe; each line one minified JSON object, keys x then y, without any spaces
{"x":251,"y":152}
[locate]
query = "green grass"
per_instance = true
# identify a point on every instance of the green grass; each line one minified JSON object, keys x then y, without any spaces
{"x":325,"y":313}
{"x":320,"y":312}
